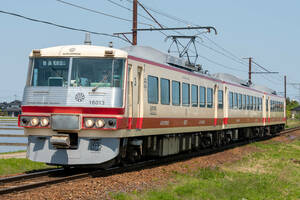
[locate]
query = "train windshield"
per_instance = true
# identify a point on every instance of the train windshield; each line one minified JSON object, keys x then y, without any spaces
{"x":86,"y":72}
{"x":97,"y":72}
{"x":50,"y":72}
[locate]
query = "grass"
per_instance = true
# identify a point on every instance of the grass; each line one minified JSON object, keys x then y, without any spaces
{"x":292,"y":123}
{"x":19,"y":165}
{"x":273,"y":172}
{"x":6,"y":117}
{"x":11,"y":152}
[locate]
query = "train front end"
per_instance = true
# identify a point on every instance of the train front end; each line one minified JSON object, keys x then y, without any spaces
{"x":74,"y":104}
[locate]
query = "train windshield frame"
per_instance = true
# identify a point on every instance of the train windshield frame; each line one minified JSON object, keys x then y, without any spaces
{"x":77,"y":72}
{"x":50,"y":71}
{"x":97,"y":72}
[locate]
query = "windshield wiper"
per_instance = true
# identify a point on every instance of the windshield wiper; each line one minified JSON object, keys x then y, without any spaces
{"x":112,"y":75}
{"x":96,"y":87}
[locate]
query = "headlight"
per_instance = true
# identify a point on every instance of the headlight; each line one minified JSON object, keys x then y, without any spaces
{"x":44,"y":122}
{"x":89,"y":123}
{"x":34,"y":121}
{"x":100,"y":123}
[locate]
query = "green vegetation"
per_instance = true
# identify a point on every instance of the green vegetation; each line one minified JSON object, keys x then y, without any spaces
{"x":6,"y":117}
{"x":12,"y":152}
{"x":19,"y":165}
{"x":289,"y":106}
{"x":273,"y":172}
{"x":292,"y":123}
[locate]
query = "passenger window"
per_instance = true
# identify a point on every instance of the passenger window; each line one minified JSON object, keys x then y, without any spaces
{"x":267,"y":105}
{"x":220,"y":99}
{"x":235,"y":101}
{"x":202,"y":96}
{"x":240,"y":102}
{"x":251,"y":102}
{"x":175,"y":93}
{"x":194,"y":96}
{"x":271,"y":105}
{"x":185,"y":94}
{"x":259,"y":104}
{"x":209,"y":97}
{"x":165,"y":91}
{"x":231,"y":100}
{"x":152,"y":89}
{"x":244,"y":102}
{"x":248,"y":102}
{"x":254,"y":103}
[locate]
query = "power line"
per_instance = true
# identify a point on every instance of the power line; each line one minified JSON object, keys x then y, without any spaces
{"x":232,"y":56}
{"x":129,"y":9}
{"x":163,"y":14}
{"x":221,"y":53}
{"x":260,"y":66}
{"x":98,"y":12}
{"x":58,"y":25}
{"x":222,"y":65}
{"x":219,"y":46}
{"x":280,"y":76}
{"x":149,"y":19}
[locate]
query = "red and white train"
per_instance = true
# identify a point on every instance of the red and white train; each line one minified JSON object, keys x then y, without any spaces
{"x":91,"y":105}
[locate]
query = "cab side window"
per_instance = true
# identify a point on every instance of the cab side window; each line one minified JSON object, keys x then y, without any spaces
{"x":152,"y":89}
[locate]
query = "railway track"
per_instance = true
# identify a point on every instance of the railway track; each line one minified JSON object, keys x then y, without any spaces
{"x":54,"y":176}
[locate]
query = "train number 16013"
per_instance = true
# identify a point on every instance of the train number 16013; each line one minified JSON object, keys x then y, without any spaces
{"x":96,"y":102}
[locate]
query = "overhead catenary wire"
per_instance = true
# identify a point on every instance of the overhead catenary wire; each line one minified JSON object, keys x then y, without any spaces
{"x":129,"y":9}
{"x":60,"y":26}
{"x":147,"y":18}
{"x":225,"y":50}
{"x":219,"y":64}
{"x":99,"y":12}
{"x":161,"y":13}
{"x":280,"y":76}
{"x":227,"y":53}
{"x":185,"y":22}
{"x":221,"y":53}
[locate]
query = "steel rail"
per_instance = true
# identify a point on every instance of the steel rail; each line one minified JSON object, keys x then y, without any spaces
{"x":140,"y":165}
{"x":13,"y":135}
{"x":290,"y":130}
{"x":11,"y":128}
{"x":12,"y":144}
{"x":29,"y":176}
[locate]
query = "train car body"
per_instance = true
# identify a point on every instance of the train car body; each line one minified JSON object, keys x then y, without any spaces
{"x":88,"y":105}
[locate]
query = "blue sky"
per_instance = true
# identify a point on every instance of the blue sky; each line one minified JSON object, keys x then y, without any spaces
{"x":266,"y":30}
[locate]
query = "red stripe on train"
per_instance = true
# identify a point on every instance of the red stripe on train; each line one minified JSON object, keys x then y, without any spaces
{"x":71,"y":110}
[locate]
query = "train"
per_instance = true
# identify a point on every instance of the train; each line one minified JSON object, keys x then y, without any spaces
{"x":86,"y":105}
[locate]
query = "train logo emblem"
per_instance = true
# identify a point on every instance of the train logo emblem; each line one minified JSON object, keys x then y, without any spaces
{"x":72,"y":50}
{"x":79,"y":97}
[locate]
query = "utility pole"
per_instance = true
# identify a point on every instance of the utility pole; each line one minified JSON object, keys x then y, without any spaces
{"x":250,"y":63}
{"x":285,"y":87}
{"x":285,"y":98}
{"x":250,"y":70}
{"x":134,"y":23}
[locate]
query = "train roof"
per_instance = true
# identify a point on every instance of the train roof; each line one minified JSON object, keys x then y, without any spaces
{"x":235,"y":80}
{"x":78,"y":51}
{"x":144,"y":52}
{"x":152,"y":54}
